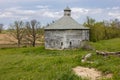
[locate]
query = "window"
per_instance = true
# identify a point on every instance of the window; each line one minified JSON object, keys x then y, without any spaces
{"x":70,"y":43}
{"x":61,"y":43}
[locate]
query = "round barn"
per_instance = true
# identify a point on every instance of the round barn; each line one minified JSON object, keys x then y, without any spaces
{"x":65,"y":33}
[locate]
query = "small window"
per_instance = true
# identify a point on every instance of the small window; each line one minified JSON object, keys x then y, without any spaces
{"x":61,"y":43}
{"x":70,"y":43}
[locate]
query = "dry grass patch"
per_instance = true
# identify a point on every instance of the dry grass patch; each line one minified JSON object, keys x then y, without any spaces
{"x":7,"y":39}
{"x":90,"y":73}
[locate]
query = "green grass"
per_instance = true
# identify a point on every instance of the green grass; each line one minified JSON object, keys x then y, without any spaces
{"x":108,"y":45}
{"x":40,"y":64}
{"x":37,"y":64}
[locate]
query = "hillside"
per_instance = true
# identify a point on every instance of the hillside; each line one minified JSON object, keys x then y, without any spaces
{"x":7,"y":39}
{"x":40,"y":64}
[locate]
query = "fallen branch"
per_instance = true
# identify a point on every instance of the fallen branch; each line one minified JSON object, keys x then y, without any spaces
{"x":107,"y":53}
{"x":85,"y":58}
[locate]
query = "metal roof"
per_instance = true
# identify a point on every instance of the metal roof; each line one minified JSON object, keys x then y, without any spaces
{"x":66,"y":22}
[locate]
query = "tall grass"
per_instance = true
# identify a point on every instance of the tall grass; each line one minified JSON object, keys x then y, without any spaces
{"x":40,"y":64}
{"x":108,"y":45}
{"x":109,"y":64}
{"x":37,"y":64}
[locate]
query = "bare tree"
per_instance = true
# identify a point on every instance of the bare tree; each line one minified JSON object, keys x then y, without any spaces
{"x":33,"y":28}
{"x":17,"y":30}
{"x":1,"y":27}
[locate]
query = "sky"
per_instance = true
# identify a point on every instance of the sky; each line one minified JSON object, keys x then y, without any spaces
{"x":46,"y":11}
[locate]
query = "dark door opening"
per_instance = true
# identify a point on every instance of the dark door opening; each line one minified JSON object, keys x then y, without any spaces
{"x":70,"y":44}
{"x":61,"y":43}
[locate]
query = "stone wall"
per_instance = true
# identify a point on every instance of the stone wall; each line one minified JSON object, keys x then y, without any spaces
{"x":65,"y":39}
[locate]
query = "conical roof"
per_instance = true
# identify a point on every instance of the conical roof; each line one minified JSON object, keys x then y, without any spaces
{"x":66,"y":22}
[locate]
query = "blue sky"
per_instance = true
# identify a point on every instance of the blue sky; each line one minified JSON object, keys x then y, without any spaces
{"x":46,"y":11}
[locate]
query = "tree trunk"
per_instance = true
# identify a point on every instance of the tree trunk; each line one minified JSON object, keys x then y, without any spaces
{"x":18,"y":43}
{"x":107,"y":53}
{"x":34,"y":40}
{"x":33,"y":44}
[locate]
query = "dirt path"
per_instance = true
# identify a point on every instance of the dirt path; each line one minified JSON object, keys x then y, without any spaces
{"x":89,"y":73}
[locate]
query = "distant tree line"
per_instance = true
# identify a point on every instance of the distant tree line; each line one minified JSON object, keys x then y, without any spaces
{"x":26,"y":32}
{"x":103,"y":30}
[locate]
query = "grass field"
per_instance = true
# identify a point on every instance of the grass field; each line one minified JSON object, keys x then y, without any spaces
{"x":40,"y":64}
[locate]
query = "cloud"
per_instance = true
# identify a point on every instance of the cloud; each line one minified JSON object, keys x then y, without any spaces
{"x":16,"y":13}
{"x":114,"y":14}
{"x":116,"y":7}
{"x":16,"y":1}
{"x":19,"y":10}
{"x":50,"y":14}
{"x":6,"y":15}
{"x":79,"y":12}
{"x":44,"y":11}
{"x":20,"y":13}
{"x":46,"y":14}
{"x":42,"y":7}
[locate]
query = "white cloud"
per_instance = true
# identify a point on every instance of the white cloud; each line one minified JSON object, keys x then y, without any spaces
{"x":116,"y":7}
{"x":18,"y":10}
{"x":6,"y":15}
{"x":45,"y":13}
{"x":42,"y":7}
{"x":19,"y":13}
{"x":50,"y":13}
{"x":16,"y":1}
{"x":96,"y":11}
{"x":114,"y":14}
{"x":16,"y":13}
{"x":79,"y":12}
